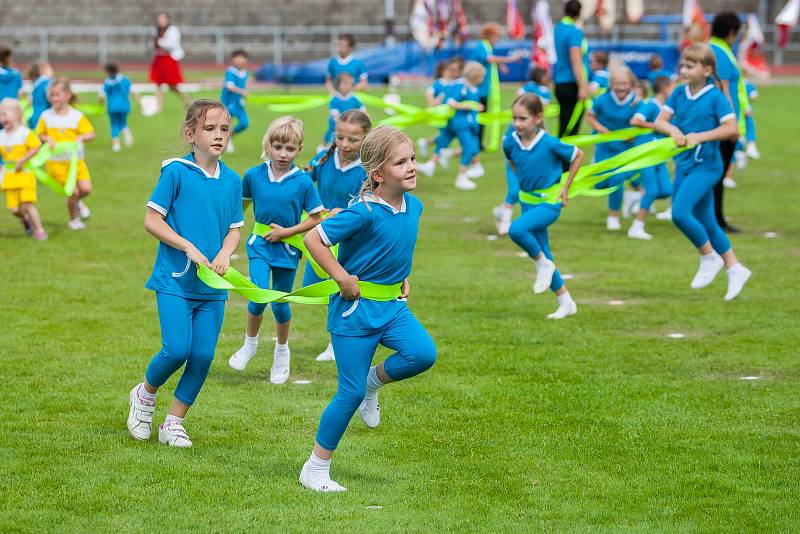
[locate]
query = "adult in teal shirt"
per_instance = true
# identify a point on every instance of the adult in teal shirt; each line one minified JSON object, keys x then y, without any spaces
{"x":569,"y":71}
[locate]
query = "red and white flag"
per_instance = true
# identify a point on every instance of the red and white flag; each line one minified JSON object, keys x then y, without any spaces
{"x":786,"y":20}
{"x":694,"y":23}
{"x":751,"y":51}
{"x":515,"y":27}
{"x":543,"y":52}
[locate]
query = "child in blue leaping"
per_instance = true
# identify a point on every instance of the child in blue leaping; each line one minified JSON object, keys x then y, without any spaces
{"x":280,"y":192}
{"x":376,"y":237}
{"x":116,"y":92}
{"x":234,"y":92}
{"x":339,"y":176}
{"x":195,"y":212}
{"x":698,"y":114}
{"x":537,"y":159}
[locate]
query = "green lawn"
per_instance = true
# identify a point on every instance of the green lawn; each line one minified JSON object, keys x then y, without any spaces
{"x":598,"y":422}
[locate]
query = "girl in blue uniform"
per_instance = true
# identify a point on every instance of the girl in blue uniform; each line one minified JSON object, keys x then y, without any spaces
{"x":234,"y":92}
{"x":698,"y":114}
{"x":117,"y":93}
{"x":339,"y":176}
{"x":537,"y":159}
{"x":341,"y":100}
{"x":195,"y":212}
{"x":40,"y":74}
{"x":280,"y":193}
{"x":613,"y":111}
{"x":376,"y":237}
{"x":539,"y":86}
{"x":447,"y":75}
{"x":655,"y":180}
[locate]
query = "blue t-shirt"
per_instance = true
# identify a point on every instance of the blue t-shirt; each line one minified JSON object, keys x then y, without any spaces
{"x":566,"y":36}
{"x":337,"y":185}
{"x":10,"y":83}
{"x":39,"y":100}
{"x":480,"y":53}
{"x":600,"y":79}
{"x":540,"y":164}
{"x":376,"y":243}
{"x":280,"y":202}
{"x":201,"y":208}
{"x":727,"y":70}
{"x":117,"y":91}
{"x":354,"y":67}
{"x":236,"y":78}
{"x":614,"y":114}
{"x":542,"y":91}
{"x":340,"y":103}
{"x":443,"y":87}
{"x":648,"y":111}
{"x":701,"y":112}
{"x":464,"y":118}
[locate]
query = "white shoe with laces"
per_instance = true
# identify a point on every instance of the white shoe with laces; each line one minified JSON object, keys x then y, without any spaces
{"x":140,"y":416}
{"x":612,"y":223}
{"x":83,"y":210}
{"x":709,"y":267}
{"x":174,"y":435}
{"x":320,"y":483}
{"x":241,"y":358}
{"x":465,"y":184}
{"x":76,"y":224}
{"x":665,"y":215}
{"x":564,"y":310}
{"x":475,"y":171}
{"x":729,"y":183}
{"x":327,"y":355}
{"x":544,"y":275}
{"x":428,"y":168}
{"x":370,"y":410}
{"x":752,"y":151}
{"x":638,"y":232}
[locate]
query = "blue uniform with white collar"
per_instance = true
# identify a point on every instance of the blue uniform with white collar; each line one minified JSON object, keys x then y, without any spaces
{"x":39,"y":101}
{"x":337,"y":186}
{"x":201,"y":208}
{"x":282,"y":202}
{"x":339,"y":104}
{"x":463,"y":125}
{"x":350,"y":64}
{"x":117,"y":91}
{"x":655,"y":180}
{"x":376,"y":243}
{"x":538,"y":166}
{"x":698,"y":170}
{"x":234,"y":102}
{"x":614,"y":114}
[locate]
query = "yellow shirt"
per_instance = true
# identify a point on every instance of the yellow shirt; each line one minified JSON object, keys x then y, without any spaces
{"x":13,"y":146}
{"x":64,"y":127}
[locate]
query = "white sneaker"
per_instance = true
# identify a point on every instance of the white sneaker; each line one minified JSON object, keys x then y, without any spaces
{"x":612,"y":223}
{"x":502,"y":219}
{"x":231,"y":149}
{"x":465,"y":184}
{"x":564,"y":310}
{"x":637,"y":232}
{"x":728,"y":183}
{"x":475,"y":171}
{"x":422,"y":143}
{"x":741,"y":159}
{"x":629,"y":199}
{"x":321,"y":484}
{"x":83,"y":210}
{"x":241,"y":358}
{"x":76,"y":224}
{"x":444,"y":157}
{"x":140,"y":416}
{"x":665,"y":215}
{"x":327,"y":355}
{"x":174,"y":435}
{"x":737,"y":278}
{"x":370,"y":410}
{"x":707,"y":271}
{"x":428,"y":168}
{"x":544,"y":275}
{"x":115,"y":146}
{"x":279,"y":373}
{"x":127,"y":137}
{"x":752,"y":151}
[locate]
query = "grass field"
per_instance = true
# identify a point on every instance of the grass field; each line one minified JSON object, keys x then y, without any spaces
{"x":599,"y":422}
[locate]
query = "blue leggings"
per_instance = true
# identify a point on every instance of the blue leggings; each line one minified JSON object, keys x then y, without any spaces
{"x":467,"y":135}
{"x":189,"y":332}
{"x":416,"y":353}
{"x":512,"y":191}
{"x":601,"y":153}
{"x":693,"y":209}
{"x":282,"y":280}
{"x":309,"y":276}
{"x":749,"y":128}
{"x":242,"y":120}
{"x":119,"y":121}
{"x":656,"y":183}
{"x":529,"y":232}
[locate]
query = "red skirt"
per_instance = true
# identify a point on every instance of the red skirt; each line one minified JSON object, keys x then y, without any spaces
{"x":165,"y":70}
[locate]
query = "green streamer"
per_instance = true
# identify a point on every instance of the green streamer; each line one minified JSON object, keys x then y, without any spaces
{"x":37,"y":163}
{"x":494,"y":104}
{"x":616,"y":135}
{"x":296,"y":241}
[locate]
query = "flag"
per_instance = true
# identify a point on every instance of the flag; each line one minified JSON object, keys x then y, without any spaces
{"x":543,"y":50}
{"x":751,"y":51}
{"x":786,"y":20}
{"x":634,"y":9}
{"x":695,"y":27}
{"x":515,"y":27}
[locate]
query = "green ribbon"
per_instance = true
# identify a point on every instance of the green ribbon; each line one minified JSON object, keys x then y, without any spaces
{"x":318,"y":293}
{"x":744,"y":100}
{"x":290,"y":103}
{"x":36,"y":165}
{"x":615,"y":135}
{"x":91,"y":109}
{"x":296,"y":241}
{"x":494,"y":103}
{"x":27,"y":110}
{"x":370,"y":100}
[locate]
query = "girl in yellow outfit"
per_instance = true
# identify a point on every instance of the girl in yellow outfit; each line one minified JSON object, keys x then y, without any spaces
{"x":18,"y":144}
{"x":61,"y":123}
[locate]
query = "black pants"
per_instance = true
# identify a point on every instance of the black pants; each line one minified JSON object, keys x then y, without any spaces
{"x":485,"y":102}
{"x":567,"y":96}
{"x":726,"y":149}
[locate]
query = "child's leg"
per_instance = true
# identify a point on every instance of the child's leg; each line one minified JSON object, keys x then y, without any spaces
{"x":533,"y":219}
{"x":704,"y":213}
{"x":649,"y":182}
{"x":663,"y":182}
{"x":282,"y":280}
{"x":259,"y":275}
{"x":750,"y":128}
{"x":175,"y":316}
{"x":543,"y":238}
{"x":31,"y":214}
{"x":242,"y":120}
{"x":691,"y":191}
{"x":415,"y":349}
{"x":566,"y":305}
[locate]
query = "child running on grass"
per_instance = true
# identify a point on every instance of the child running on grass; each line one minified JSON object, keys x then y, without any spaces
{"x":195,"y":212}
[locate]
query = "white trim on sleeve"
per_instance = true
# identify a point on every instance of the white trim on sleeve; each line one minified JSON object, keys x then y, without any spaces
{"x":237,"y":224}
{"x":323,"y":235}
{"x":727,"y":117}
{"x":159,"y":209}
{"x":318,"y":209}
{"x":574,"y":154}
{"x":666,"y":107}
{"x":641,"y":116}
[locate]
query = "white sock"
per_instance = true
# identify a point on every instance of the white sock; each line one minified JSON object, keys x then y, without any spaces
{"x":145,"y":395}
{"x":736,"y":268}
{"x":173,"y":420}
{"x":564,"y":298}
{"x":281,"y":354}
{"x":373,"y":382}
{"x":541,"y":261}
{"x":317,"y":467}
{"x":711,"y":256}
{"x":251,"y":342}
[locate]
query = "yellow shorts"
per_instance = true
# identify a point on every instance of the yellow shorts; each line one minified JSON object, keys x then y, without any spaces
{"x":60,"y":169}
{"x":15,"y":197}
